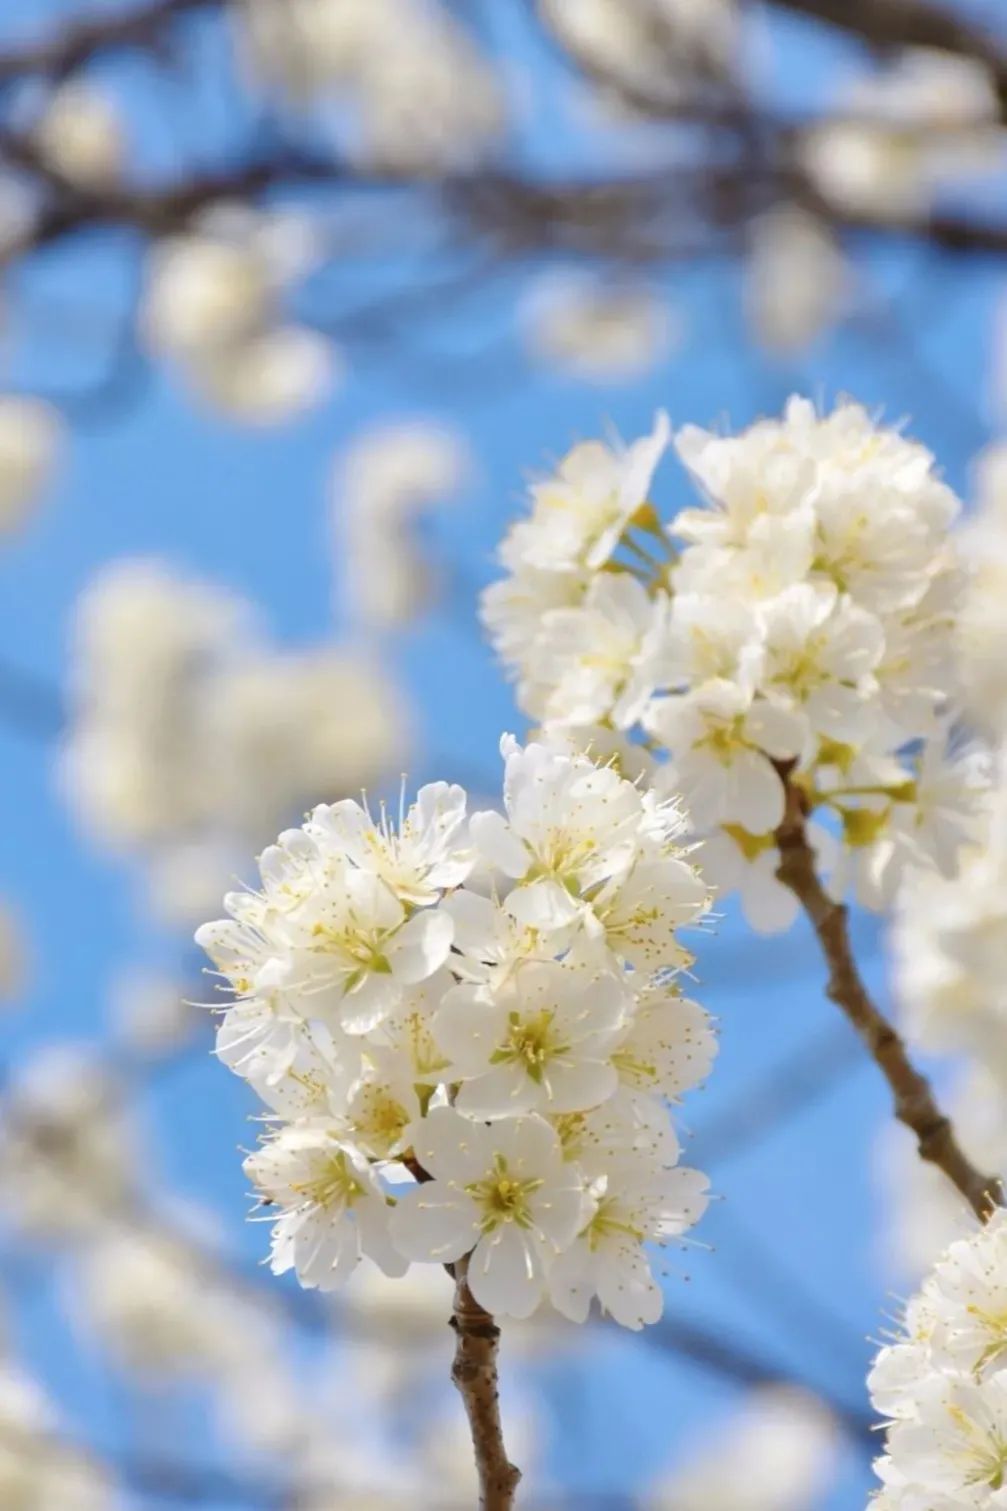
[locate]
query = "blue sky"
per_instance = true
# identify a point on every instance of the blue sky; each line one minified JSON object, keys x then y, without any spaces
{"x":249,"y":511}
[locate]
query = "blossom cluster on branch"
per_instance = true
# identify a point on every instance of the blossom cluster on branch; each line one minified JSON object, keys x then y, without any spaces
{"x":467,"y":1031}
{"x":796,"y":627}
{"x":942,"y":1385}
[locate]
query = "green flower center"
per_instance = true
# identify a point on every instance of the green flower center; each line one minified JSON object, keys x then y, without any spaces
{"x":503,"y":1197}
{"x":608,"y":1222}
{"x":531,"y":1042}
{"x":333,"y":1184}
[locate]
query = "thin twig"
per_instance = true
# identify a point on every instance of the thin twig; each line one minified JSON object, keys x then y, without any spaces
{"x":474,"y":1374}
{"x":910,"y":23}
{"x":914,"y":1101}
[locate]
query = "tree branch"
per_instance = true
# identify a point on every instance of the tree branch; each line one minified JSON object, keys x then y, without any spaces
{"x":913,"y":1098}
{"x":474,"y":1374}
{"x":910,"y":23}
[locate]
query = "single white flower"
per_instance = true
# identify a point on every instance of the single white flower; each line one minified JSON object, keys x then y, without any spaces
{"x":820,"y":650}
{"x":490,"y":943}
{"x":570,"y":825}
{"x":638,"y":915}
{"x":540,"y":1042}
{"x":502,"y":1191}
{"x":579,"y":515}
{"x":261,"y":1032}
{"x":602,"y":659}
{"x":631,"y":1127}
{"x":967,"y":1298}
{"x":332,"y":1209}
{"x":513,"y":611}
{"x":426,"y":854}
{"x":956,"y":1440}
{"x":722,"y":746}
{"x":315,"y":1082}
{"x":668,"y":1044}
{"x":355,"y":947}
{"x":733,"y":859}
{"x":405,"y":1034}
{"x":383,"y":1109}
{"x":711,"y":638}
{"x":633,"y":1206}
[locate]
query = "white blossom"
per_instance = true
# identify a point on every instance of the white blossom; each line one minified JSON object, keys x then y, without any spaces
{"x":455,"y":1073}
{"x":579,"y":514}
{"x":569,"y":826}
{"x":542,"y":1041}
{"x":795,"y":629}
{"x":333,"y":1210}
{"x":418,"y":95}
{"x":502,"y":1193}
{"x":426,"y":854}
{"x":942,"y":1385}
{"x":633,"y":1206}
{"x":602,"y":659}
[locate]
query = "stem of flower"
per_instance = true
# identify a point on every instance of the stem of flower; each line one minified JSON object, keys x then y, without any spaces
{"x":474,"y":1373}
{"x":913,"y":1098}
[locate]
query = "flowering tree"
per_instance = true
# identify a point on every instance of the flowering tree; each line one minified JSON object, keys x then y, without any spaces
{"x":468,"y":1029}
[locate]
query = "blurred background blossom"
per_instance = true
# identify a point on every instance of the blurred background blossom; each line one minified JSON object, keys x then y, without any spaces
{"x":296,"y":298}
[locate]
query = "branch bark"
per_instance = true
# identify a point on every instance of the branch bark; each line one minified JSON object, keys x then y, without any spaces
{"x":474,"y":1374}
{"x":912,"y":1095}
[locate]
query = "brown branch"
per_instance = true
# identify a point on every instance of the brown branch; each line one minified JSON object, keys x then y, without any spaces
{"x":910,"y":23}
{"x":912,"y":1095}
{"x":474,"y":1374}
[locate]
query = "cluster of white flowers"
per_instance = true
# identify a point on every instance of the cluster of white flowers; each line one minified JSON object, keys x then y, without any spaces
{"x":396,"y":84}
{"x":904,"y":132}
{"x":460,"y":1071}
{"x":213,"y":306}
{"x":942,"y":1386}
{"x":800,"y":631}
{"x":192,"y":738}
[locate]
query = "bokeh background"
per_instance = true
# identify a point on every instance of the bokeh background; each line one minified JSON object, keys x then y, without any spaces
{"x":295,"y":297}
